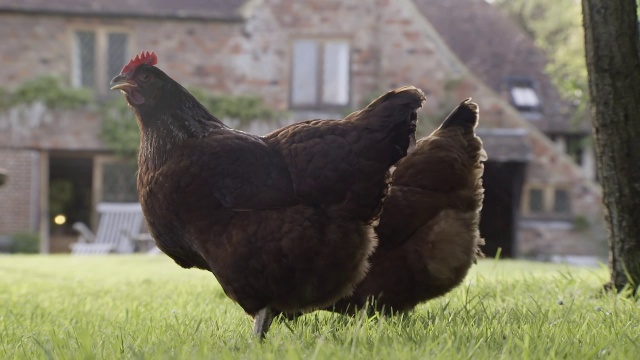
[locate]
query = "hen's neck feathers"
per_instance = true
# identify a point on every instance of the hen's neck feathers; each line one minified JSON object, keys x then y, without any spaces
{"x":178,"y":116}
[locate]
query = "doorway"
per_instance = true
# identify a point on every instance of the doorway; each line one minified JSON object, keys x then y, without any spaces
{"x":503,"y":183}
{"x":70,"y":184}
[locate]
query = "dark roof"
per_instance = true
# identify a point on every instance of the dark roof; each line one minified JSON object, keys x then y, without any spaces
{"x":225,"y":10}
{"x":497,"y":50}
{"x":503,"y":145}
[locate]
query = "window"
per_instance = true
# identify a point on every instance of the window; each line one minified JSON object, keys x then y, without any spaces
{"x":561,"y":202}
{"x":119,"y":182}
{"x":98,"y":56}
{"x":320,"y":73}
{"x":547,"y":200}
{"x":85,"y":59}
{"x":536,"y":200}
{"x":524,"y":95}
{"x":117,"y":53}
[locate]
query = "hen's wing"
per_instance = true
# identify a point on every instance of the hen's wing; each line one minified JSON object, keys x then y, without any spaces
{"x":344,"y":163}
{"x":428,"y":230}
{"x":241,"y":170}
{"x":195,"y":193}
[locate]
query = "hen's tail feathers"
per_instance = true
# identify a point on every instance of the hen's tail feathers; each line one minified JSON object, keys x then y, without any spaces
{"x":393,"y":117}
{"x":387,"y":106}
{"x":465,"y":115}
{"x":409,"y":95}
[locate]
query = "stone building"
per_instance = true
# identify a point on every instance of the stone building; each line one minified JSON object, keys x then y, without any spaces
{"x":312,"y":58}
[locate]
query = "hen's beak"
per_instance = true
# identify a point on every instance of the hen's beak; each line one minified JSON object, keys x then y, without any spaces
{"x":120,"y":82}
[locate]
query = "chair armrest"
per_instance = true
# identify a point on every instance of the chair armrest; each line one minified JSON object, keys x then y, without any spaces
{"x":86,"y":235}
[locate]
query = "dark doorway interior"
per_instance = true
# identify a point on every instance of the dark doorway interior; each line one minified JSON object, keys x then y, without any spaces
{"x":70,"y":180}
{"x":498,"y":224}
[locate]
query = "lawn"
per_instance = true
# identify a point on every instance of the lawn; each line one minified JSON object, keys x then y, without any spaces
{"x":143,"y":307}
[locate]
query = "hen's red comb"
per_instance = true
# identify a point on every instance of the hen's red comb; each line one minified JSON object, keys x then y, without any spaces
{"x":144,"y":58}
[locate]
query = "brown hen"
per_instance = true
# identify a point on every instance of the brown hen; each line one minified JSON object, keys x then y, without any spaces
{"x":283,"y":221}
{"x":428,"y":231}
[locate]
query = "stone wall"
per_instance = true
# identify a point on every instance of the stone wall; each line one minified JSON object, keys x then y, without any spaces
{"x":38,"y":127}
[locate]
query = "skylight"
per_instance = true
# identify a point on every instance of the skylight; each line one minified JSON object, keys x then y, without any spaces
{"x":525,"y":97}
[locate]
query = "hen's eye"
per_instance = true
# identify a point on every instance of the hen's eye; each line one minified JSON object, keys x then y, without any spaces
{"x":145,"y":77}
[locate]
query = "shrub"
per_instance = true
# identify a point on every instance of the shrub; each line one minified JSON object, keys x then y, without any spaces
{"x":25,"y":243}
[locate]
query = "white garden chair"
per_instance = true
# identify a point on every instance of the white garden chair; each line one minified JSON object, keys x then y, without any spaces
{"x":119,"y":224}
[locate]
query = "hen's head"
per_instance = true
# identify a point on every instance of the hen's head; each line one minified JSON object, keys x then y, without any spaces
{"x":140,"y":81}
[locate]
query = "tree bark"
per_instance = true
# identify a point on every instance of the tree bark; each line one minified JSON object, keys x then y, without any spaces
{"x":613,"y":61}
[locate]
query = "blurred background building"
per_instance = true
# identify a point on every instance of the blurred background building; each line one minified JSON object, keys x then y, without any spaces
{"x":310,"y":59}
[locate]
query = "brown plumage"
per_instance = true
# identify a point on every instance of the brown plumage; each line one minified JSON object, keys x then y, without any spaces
{"x":428,"y":231}
{"x":283,"y":221}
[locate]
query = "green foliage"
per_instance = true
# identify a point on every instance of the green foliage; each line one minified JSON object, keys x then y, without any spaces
{"x":556,"y":27}
{"x":60,"y":195}
{"x":243,"y":108}
{"x":581,"y":223}
{"x":141,"y":307}
{"x":5,"y":99}
{"x":49,"y":90}
{"x":25,"y":243}
{"x":120,"y":130}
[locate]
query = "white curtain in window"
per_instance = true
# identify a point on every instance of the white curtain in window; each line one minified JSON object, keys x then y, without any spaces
{"x":335,"y":77}
{"x":304,"y":74}
{"x":84,"y":59}
{"x":116,"y":53}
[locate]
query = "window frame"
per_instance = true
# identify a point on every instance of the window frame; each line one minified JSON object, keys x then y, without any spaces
{"x":543,"y":201}
{"x":321,"y":42}
{"x":101,"y":50}
{"x":548,"y":201}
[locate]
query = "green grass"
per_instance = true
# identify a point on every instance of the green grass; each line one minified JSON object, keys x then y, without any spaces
{"x":143,"y":307}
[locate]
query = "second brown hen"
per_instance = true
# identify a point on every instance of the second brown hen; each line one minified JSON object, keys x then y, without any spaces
{"x":428,"y":231}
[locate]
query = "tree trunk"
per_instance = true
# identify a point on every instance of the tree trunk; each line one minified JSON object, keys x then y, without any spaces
{"x":613,"y":61}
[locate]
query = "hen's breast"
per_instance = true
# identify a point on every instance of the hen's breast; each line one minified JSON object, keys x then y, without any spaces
{"x":290,"y":259}
{"x":172,"y":203}
{"x":228,"y":206}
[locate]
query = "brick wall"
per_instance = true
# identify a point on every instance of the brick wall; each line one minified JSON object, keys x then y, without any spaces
{"x":17,"y":198}
{"x":32,"y":46}
{"x":389,"y":47}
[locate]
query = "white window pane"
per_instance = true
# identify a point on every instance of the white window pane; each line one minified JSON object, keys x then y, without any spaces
{"x":524,"y":97}
{"x":304,"y":75}
{"x":116,"y":54}
{"x":84,"y":59}
{"x":335,"y":77}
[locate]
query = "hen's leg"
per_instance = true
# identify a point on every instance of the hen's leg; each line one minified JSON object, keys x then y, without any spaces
{"x":262,"y":322}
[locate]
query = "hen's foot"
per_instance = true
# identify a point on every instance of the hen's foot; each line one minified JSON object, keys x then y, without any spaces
{"x":262,"y":322}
